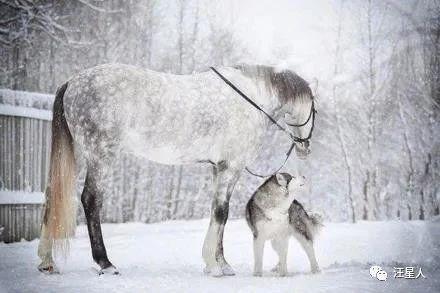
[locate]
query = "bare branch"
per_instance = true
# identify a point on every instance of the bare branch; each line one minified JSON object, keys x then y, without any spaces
{"x":96,"y":8}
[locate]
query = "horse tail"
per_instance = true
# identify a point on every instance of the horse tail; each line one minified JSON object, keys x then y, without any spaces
{"x":60,"y":213}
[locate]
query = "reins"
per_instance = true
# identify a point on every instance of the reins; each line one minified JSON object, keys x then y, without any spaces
{"x":271,"y":119}
{"x":282,"y":165}
{"x":250,"y":101}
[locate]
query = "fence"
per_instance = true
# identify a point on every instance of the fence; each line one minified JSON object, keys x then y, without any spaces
{"x":24,"y":162}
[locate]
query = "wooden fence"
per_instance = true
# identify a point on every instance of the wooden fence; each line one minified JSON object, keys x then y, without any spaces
{"x":20,"y":215}
{"x":25,"y":134}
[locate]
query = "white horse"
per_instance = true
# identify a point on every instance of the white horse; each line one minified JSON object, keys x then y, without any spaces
{"x":169,"y":119}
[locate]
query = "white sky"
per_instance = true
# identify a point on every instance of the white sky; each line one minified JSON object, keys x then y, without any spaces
{"x":303,"y":31}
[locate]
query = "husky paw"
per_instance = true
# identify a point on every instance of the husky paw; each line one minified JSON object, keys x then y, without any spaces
{"x":258,"y":274}
{"x":111,"y":270}
{"x":48,"y":268}
{"x":316,"y":270}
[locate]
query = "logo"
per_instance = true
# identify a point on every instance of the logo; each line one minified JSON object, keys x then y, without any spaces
{"x":399,"y":273}
{"x":378,"y":273}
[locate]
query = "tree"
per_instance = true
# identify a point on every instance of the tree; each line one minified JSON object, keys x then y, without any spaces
{"x":338,"y":120}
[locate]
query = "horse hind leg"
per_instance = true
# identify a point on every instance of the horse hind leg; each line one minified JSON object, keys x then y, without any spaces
{"x":91,"y":199}
{"x":47,"y":264}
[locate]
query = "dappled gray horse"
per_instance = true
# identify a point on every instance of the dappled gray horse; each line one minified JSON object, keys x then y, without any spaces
{"x":169,"y":119}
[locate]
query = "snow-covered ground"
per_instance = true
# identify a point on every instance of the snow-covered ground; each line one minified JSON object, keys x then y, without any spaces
{"x":166,"y":257}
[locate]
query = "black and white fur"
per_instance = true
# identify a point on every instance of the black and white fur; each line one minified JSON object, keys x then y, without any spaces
{"x":273,"y":214}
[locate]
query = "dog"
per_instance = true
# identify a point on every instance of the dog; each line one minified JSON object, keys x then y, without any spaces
{"x":272,"y":213}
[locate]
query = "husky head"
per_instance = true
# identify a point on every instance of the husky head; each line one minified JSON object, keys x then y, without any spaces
{"x":279,"y":190}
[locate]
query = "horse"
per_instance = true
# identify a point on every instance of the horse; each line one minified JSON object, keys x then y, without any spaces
{"x":170,"y":119}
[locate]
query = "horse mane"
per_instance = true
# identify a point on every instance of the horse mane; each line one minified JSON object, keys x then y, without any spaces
{"x":286,"y":84}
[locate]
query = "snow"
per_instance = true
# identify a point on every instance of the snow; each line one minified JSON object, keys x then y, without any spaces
{"x":26,"y":99}
{"x":166,"y":257}
{"x":25,"y":112}
{"x":21,"y":197}
{"x":26,"y":104}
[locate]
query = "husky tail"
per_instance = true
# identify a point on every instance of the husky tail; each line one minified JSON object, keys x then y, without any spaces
{"x":303,"y":223}
{"x":59,"y":220}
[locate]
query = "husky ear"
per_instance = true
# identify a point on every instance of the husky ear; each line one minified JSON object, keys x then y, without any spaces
{"x":281,"y":179}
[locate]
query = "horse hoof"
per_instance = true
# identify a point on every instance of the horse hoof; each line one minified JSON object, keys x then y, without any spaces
{"x":48,"y":268}
{"x":215,"y":271}
{"x":227,"y":270}
{"x":282,"y":274}
{"x":111,"y":270}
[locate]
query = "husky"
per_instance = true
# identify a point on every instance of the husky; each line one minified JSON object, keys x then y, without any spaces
{"x":273,"y":214}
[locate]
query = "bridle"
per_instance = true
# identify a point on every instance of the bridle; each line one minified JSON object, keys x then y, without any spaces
{"x":295,"y":139}
{"x":311,"y":116}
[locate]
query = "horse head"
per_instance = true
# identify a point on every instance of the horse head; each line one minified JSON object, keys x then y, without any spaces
{"x":297,"y":105}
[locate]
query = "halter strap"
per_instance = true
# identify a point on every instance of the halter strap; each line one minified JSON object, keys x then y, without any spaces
{"x":312,"y":113}
{"x":250,"y":101}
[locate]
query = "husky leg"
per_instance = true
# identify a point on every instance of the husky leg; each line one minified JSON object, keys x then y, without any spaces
{"x":281,"y":246}
{"x":307,"y":245}
{"x":91,"y":199}
{"x":212,"y":252}
{"x":258,"y":256}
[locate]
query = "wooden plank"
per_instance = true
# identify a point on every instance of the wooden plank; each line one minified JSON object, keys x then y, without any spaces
{"x":11,"y":145}
{"x":33,"y":138}
{"x":11,"y":152}
{"x":24,"y":223}
{"x":17,"y":111}
{"x":25,"y":154}
{"x":8,"y":155}
{"x":40,"y":156}
{"x":29,"y":135}
{"x":22,"y":155}
{"x":3,"y":218}
{"x":2,"y":222}
{"x":2,"y":153}
{"x":11,"y":224}
{"x":47,"y":148}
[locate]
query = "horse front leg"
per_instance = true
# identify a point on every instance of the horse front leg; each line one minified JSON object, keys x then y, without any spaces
{"x":216,"y":265}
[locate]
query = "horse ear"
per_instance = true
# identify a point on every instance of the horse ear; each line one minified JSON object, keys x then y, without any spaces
{"x":281,"y":179}
{"x":314,"y":86}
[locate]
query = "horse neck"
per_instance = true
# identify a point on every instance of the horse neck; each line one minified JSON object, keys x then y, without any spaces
{"x":267,"y":99}
{"x":264,"y":96}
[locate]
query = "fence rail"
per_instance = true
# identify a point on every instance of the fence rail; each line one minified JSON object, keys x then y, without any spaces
{"x":25,"y":134}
